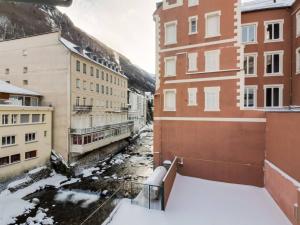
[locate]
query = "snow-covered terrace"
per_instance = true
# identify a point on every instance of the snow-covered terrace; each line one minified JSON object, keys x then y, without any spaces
{"x":201,"y":202}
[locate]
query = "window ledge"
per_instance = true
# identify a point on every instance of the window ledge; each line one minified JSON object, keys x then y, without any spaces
{"x":193,"y":33}
{"x":31,"y":142}
{"x":212,"y":110}
{"x":169,"y":110}
{"x":212,"y":36}
{"x":273,"y":75}
{"x":31,"y":158}
{"x":192,"y":105}
{"x":8,"y":146}
{"x":250,"y":43}
{"x":170,"y":43}
{"x":250,"y":76}
{"x":274,"y":41}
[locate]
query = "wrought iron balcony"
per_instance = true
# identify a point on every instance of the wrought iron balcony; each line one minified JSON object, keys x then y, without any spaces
{"x":82,"y":108}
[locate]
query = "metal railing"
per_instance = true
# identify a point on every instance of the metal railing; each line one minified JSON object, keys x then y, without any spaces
{"x":148,"y":196}
{"x":102,"y":128}
{"x":82,"y":108}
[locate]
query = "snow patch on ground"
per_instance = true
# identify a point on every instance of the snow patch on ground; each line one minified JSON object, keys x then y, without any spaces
{"x":12,"y":205}
{"x":18,"y":182}
{"x":200,"y":202}
{"x":85,"y":198}
{"x":89,"y":171}
{"x":40,"y":218}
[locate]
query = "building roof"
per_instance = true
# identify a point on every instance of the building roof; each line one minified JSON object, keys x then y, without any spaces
{"x":11,"y":89}
{"x":87,"y":54}
{"x":255,"y":5}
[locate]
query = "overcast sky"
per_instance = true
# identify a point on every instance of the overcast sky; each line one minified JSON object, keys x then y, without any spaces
{"x":124,"y":25}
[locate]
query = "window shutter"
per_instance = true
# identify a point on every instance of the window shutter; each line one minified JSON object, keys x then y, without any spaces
{"x":193,"y":61}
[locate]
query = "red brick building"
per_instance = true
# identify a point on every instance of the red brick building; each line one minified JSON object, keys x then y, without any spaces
{"x":220,"y":64}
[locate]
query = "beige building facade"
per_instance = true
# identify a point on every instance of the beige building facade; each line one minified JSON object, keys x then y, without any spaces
{"x":25,"y":132}
{"x":89,"y":93}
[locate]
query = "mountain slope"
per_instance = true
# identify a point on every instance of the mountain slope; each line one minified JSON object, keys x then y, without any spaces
{"x":19,"y":20}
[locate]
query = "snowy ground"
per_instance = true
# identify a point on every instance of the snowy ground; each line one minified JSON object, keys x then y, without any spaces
{"x":44,"y":202}
{"x":200,"y":202}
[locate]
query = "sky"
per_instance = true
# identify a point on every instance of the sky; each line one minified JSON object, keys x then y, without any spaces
{"x":126,"y":26}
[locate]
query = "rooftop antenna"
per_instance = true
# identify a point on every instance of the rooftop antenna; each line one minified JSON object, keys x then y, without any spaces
{"x":65,"y":3}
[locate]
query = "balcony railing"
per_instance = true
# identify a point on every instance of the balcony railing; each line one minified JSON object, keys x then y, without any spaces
{"x":102,"y":128}
{"x":82,"y":108}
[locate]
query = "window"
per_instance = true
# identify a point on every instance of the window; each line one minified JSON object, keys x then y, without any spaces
{"x":43,"y":118}
{"x":78,"y":83}
{"x":250,"y":96}
{"x":97,"y":73}
{"x":6,"y":71}
{"x":298,"y":24}
{"x":102,"y":89}
{"x":84,"y":68}
{"x":15,"y":158}
{"x":107,"y":91}
{"x":212,"y":61}
{"x":192,"y":57}
{"x":91,"y":86}
{"x":34,"y":101}
{"x":102,"y":75}
{"x":107,"y":77}
{"x":274,"y":63}
{"x":170,"y":66}
{"x":111,"y":91}
{"x":212,"y":24}
{"x":25,"y":82}
{"x":14,"y":119}
{"x":111,"y":79}
{"x":45,"y":133}
{"x":25,"y":69}
{"x":250,"y":64}
{"x":192,"y":96}
{"x":24,"y":118}
{"x":171,"y":33}
{"x":169,"y":100}
{"x":5,"y":119}
{"x":30,"y":137}
{"x":84,"y":85}
{"x":212,"y":98}
{"x":274,"y":31}
{"x":36,"y":118}
{"x":8,"y":140}
{"x":4,"y":161}
{"x":193,"y":25}
{"x":78,"y":66}
{"x":273,"y":95}
{"x":92,"y":71}
{"x":193,"y":3}
{"x":298,"y":61}
{"x":77,"y":102}
{"x":31,"y":154}
{"x":249,"y":33}
{"x":97,"y":88}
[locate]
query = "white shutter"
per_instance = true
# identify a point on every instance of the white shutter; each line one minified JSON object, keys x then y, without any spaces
{"x":192,"y":96}
{"x":170,"y":66}
{"x":193,"y":61}
{"x":212,"y":61}
{"x":213,"y":25}
{"x":212,"y":99}
{"x":171,"y":33}
{"x":170,"y":100}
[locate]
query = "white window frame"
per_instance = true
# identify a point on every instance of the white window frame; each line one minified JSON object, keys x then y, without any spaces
{"x":6,"y":137}
{"x":166,"y":4}
{"x":218,"y":52}
{"x":215,"y":13}
{"x":192,"y":57}
{"x":173,"y":58}
{"x":246,"y":55}
{"x":280,"y":86}
{"x":193,"y":18}
{"x":254,"y":87}
{"x":30,"y":137}
{"x":247,"y":25}
{"x":281,"y":54}
{"x":170,"y":23}
{"x":192,"y":92}
{"x":214,"y":90}
{"x":192,"y":3}
{"x":298,"y":24}
{"x":78,"y":83}
{"x":165,"y":106}
{"x":266,"y":23}
{"x":298,"y":61}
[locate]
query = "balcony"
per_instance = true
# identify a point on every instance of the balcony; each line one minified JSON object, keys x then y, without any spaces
{"x":102,"y":128}
{"x":82,"y":108}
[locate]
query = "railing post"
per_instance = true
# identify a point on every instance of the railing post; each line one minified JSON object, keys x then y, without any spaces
{"x":163,"y":197}
{"x":149,"y":195}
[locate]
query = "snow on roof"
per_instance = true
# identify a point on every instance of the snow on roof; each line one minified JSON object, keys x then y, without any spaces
{"x":11,"y":89}
{"x":75,"y":48}
{"x":254,"y":5}
{"x":196,"y":201}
